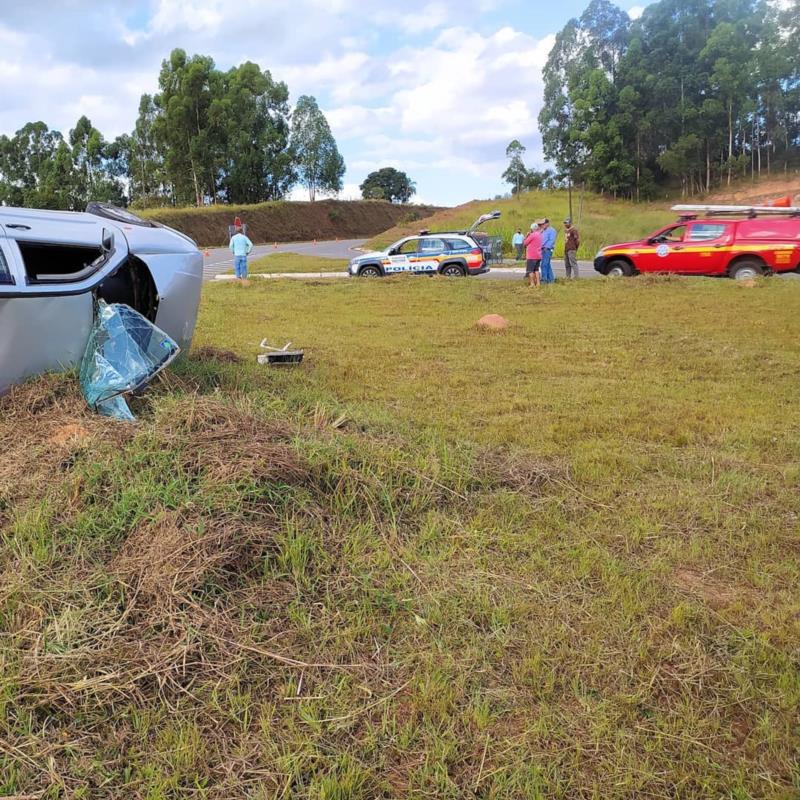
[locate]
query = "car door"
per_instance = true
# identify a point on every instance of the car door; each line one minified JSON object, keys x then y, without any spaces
{"x":706,"y":246}
{"x":402,"y":257}
{"x":665,"y":252}
{"x":429,"y":254}
{"x":49,"y":272}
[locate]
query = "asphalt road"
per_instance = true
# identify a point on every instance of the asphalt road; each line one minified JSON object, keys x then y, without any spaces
{"x":219,"y":259}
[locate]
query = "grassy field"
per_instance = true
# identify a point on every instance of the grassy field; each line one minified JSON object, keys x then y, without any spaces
{"x":430,"y":562}
{"x":294,"y":262}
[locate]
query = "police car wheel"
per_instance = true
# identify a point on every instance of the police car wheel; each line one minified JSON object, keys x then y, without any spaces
{"x":369,"y":272}
{"x":619,"y":269}
{"x":746,"y":270}
{"x":453,"y":271}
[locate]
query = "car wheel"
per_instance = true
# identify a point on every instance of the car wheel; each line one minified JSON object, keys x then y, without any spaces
{"x":453,"y":271}
{"x":370,"y":271}
{"x":619,"y":269}
{"x":746,"y":270}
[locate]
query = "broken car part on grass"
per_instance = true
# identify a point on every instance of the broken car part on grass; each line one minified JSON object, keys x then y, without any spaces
{"x":278,"y":356}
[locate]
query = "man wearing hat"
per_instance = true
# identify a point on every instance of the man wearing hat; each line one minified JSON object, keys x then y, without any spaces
{"x":548,"y":245}
{"x":571,"y":245}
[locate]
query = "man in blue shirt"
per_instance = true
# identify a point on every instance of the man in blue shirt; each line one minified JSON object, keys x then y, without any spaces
{"x":240,"y":247}
{"x":516,"y":240}
{"x":549,"y":235}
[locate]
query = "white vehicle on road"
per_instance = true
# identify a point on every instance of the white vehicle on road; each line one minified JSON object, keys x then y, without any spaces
{"x":451,"y":253}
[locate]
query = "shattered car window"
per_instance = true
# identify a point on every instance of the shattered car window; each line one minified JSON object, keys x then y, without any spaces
{"x":125,"y":351}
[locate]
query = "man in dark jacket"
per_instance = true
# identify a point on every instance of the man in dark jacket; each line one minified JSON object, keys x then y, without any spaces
{"x":571,"y":245}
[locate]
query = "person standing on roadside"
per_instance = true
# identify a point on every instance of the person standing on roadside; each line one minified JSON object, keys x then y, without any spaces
{"x":548,"y":245}
{"x":533,"y":254}
{"x":571,"y":244}
{"x":240,"y":246}
{"x":517,"y":240}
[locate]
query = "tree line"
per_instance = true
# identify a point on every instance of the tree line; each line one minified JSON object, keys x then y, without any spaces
{"x":206,"y":136}
{"x":693,"y":94}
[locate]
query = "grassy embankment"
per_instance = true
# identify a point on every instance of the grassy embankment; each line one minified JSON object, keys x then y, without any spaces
{"x":601,"y":221}
{"x":559,"y":561}
{"x":283,"y":221}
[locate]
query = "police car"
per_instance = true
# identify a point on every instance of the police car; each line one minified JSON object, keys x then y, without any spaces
{"x":451,"y":253}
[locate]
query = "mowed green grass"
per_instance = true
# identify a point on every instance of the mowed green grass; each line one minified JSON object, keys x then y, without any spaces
{"x":294,"y":262}
{"x":649,"y":597}
{"x":557,"y":561}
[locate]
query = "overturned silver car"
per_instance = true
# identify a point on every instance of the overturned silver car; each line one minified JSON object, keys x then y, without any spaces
{"x":54,"y":265}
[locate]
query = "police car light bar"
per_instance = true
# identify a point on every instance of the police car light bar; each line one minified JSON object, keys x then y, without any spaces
{"x":685,"y":210}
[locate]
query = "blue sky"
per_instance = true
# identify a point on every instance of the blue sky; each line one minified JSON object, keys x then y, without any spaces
{"x":436,"y":88}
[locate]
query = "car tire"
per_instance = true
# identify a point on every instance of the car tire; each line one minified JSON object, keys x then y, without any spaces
{"x":619,"y":269}
{"x":370,"y":271}
{"x":746,"y":270}
{"x":453,"y":271}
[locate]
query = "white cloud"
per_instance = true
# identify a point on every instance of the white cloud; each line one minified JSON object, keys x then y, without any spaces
{"x":192,"y":15}
{"x":429,"y":86}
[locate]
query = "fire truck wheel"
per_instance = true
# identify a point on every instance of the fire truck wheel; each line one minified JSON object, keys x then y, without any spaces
{"x":746,"y":270}
{"x":618,"y":269}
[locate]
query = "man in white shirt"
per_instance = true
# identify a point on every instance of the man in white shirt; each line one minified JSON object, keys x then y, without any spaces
{"x":516,"y":240}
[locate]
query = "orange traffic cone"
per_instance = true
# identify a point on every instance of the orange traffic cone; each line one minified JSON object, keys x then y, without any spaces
{"x":206,"y":253}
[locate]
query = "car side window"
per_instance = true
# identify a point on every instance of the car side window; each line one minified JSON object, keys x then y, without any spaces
{"x":409,"y":247}
{"x":706,"y":231}
{"x":47,"y":262}
{"x":429,"y":246}
{"x":675,"y":234}
{"x":457,"y":244}
{"x":5,"y":270}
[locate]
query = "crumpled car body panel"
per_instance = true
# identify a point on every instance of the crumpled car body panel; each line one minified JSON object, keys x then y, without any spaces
{"x":42,"y":334}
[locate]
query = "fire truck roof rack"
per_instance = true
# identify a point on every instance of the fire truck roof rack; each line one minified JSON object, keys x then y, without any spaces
{"x":693,"y":211}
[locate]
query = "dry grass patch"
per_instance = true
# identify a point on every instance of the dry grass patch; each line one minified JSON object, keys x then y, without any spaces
{"x":712,"y":590}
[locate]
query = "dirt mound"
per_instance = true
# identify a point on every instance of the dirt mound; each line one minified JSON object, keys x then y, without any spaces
{"x":290,"y":221}
{"x":492,"y":322}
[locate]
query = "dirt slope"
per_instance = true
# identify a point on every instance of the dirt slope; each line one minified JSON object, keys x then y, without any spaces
{"x":744,"y":192}
{"x":289,"y":221}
